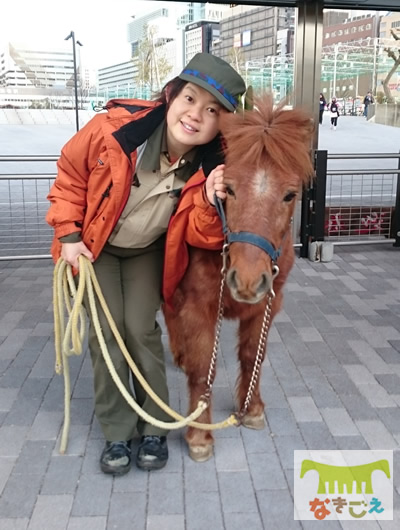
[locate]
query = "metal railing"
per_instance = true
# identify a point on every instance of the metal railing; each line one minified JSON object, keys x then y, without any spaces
{"x":355,"y":206}
{"x":343,"y":206}
{"x":24,"y":233}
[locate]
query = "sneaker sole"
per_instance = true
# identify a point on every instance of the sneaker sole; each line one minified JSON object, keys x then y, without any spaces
{"x":150,"y":466}
{"x":110,"y":470}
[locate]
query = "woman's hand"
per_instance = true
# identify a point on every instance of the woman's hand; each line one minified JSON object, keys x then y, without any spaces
{"x":70,"y":253}
{"x":215,"y":184}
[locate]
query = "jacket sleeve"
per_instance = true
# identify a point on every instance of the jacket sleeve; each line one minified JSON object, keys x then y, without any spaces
{"x":69,"y":191}
{"x":204,"y":228}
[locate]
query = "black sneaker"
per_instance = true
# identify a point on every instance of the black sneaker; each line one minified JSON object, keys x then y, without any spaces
{"x":116,"y":458}
{"x":152,"y":453}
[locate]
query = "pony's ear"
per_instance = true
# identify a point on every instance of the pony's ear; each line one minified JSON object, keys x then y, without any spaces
{"x":249,"y":98}
{"x":246,"y":100}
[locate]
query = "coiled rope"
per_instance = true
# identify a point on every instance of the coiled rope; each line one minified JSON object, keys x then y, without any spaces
{"x":69,"y":340}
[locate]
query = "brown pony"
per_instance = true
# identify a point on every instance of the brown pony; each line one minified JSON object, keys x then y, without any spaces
{"x":267,"y":161}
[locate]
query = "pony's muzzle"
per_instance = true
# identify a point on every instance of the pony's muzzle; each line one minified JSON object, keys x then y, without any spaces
{"x":249,"y":291}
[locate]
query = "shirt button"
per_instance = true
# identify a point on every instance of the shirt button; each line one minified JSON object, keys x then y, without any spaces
{"x":168,"y":187}
{"x":183,"y":161}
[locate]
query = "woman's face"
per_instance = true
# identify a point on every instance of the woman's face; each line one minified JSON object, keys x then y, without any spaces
{"x":192,"y":119}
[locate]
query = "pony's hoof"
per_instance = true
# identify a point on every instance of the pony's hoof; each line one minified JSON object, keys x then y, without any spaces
{"x":200,"y":453}
{"x":254,"y":422}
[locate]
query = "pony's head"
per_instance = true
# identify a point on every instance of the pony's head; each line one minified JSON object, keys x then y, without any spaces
{"x":268,"y":160}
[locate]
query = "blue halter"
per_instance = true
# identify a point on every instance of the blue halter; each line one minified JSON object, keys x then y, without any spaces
{"x":245,"y":237}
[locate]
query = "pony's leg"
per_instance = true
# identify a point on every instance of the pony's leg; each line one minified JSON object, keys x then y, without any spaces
{"x":191,"y":342}
{"x":249,"y":334}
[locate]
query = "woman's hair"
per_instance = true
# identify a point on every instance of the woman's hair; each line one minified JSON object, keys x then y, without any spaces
{"x":170,"y":91}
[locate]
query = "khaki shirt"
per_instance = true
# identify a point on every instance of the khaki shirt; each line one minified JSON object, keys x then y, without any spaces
{"x":154,"y":194}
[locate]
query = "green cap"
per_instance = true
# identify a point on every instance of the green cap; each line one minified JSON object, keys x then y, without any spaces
{"x":217,"y":77}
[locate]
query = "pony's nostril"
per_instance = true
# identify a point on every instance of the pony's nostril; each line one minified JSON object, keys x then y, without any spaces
{"x":264,"y":284}
{"x":231,"y":279}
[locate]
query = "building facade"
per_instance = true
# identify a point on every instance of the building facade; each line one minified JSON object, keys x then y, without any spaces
{"x":33,"y":76}
{"x":199,"y":37}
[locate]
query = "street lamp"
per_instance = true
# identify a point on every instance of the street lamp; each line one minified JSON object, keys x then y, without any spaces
{"x":72,"y":36}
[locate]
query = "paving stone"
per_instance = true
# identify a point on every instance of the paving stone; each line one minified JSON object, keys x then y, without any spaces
{"x":62,"y":475}
{"x":19,"y":495}
{"x":276,"y":507}
{"x":160,"y":503}
{"x":54,"y":508}
{"x":92,"y":496}
{"x":239,"y":521}
{"x":203,"y":510}
{"x":127,"y":511}
{"x":358,"y":407}
{"x":281,"y":421}
{"x":285,"y":447}
{"x":200,"y":477}
{"x":376,"y":434}
{"x":34,"y":458}
{"x":236,"y":492}
{"x":390,"y":382}
{"x":231,"y":456}
{"x":339,"y":422}
{"x":317,"y":436}
{"x":266,"y":471}
{"x":376,"y":395}
{"x":166,"y":522}
{"x":304,"y":409}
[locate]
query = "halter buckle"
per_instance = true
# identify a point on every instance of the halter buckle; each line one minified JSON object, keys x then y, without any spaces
{"x":224,"y":254}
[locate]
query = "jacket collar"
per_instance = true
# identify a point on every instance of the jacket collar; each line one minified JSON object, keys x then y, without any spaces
{"x":136,"y":132}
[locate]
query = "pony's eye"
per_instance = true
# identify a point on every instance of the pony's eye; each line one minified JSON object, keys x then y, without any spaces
{"x":290,"y":196}
{"x":230,"y":191}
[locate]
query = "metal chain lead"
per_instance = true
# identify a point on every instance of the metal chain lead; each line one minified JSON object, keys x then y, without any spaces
{"x":213,"y":360}
{"x":259,"y":357}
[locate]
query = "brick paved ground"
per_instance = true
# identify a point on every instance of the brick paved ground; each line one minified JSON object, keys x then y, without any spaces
{"x":331,"y":381}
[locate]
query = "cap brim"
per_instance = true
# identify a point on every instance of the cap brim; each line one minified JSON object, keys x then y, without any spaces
{"x":203,"y":84}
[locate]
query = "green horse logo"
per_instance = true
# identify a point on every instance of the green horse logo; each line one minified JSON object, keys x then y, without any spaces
{"x":345,"y":475}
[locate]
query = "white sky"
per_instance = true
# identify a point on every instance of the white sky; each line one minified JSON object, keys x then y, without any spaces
{"x":99,"y":24}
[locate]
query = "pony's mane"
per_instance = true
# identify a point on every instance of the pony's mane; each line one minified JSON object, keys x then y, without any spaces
{"x":267,"y":135}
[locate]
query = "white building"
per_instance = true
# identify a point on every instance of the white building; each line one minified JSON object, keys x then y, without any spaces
{"x":34,"y":75}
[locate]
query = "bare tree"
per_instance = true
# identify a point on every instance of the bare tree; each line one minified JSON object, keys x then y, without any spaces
{"x":153,"y":67}
{"x":395,"y":55}
{"x":236,"y":60}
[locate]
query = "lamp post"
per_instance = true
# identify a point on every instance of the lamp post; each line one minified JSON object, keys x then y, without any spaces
{"x":72,"y":36}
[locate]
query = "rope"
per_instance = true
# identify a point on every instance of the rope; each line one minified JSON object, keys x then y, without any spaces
{"x":69,"y":340}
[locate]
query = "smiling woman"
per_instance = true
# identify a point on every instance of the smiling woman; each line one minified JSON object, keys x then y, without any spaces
{"x":124,"y":180}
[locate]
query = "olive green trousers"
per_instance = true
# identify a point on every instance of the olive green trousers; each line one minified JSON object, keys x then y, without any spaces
{"x":130,"y":280}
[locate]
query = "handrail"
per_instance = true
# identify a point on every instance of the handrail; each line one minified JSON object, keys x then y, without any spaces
{"x":29,"y":158}
{"x":345,"y":156}
{"x":363,"y":172}
{"x":27,"y":176}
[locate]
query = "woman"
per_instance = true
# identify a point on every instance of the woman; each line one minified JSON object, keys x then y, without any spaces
{"x":322,"y":105}
{"x":120,"y":179}
{"x":334,"y":110}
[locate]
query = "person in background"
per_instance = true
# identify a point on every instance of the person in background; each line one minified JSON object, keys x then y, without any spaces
{"x":120,"y":180}
{"x":334,"y":111}
{"x":322,"y":105}
{"x":368,"y":100}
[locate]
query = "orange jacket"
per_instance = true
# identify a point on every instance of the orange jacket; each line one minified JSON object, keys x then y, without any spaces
{"x":94,"y":180}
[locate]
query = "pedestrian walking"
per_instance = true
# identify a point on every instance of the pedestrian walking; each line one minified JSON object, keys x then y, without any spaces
{"x":368,"y":100}
{"x":334,"y":113}
{"x":322,"y":105}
